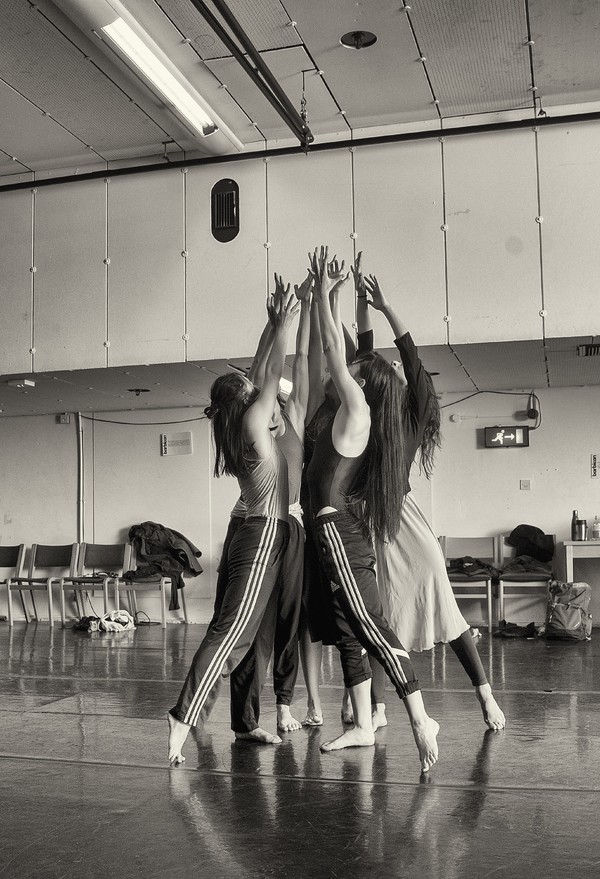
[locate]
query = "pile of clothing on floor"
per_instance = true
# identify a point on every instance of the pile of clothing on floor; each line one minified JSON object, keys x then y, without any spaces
{"x":113,"y":621}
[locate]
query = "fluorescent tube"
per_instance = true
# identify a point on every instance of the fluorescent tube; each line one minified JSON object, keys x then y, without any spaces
{"x":150,"y":65}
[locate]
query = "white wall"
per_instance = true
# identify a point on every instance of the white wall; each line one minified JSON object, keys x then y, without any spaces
{"x":475,"y":491}
{"x":485,"y":233}
{"x":126,"y":481}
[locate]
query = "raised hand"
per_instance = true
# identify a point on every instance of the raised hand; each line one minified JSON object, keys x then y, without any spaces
{"x":303,"y":292}
{"x":329,"y":276}
{"x":280,"y":289}
{"x":359,"y":281}
{"x":285,"y":308}
{"x":377,"y":300}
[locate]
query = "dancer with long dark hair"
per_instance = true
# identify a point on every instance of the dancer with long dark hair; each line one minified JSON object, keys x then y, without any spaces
{"x":415,"y":590}
{"x":241,"y":416}
{"x":357,"y":482}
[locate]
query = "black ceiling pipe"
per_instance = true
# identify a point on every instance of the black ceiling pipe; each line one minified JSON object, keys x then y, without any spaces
{"x":535,"y":122}
{"x":261,"y":75}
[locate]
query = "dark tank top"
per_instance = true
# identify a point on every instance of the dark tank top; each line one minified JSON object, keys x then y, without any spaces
{"x":330,"y":475}
{"x":293,"y":452}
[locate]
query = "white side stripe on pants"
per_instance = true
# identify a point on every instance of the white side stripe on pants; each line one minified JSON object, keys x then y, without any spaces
{"x":357,"y":605}
{"x":247,"y":605}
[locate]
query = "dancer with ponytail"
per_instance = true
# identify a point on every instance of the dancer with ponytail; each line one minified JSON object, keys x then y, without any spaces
{"x":244,"y":447}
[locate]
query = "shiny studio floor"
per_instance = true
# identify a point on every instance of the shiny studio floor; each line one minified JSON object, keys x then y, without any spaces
{"x":86,"y":792}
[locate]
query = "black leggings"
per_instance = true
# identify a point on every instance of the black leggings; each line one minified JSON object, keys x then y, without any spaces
{"x":466,"y":651}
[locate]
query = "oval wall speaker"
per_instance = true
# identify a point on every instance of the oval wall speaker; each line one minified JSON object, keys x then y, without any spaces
{"x":225,"y":210}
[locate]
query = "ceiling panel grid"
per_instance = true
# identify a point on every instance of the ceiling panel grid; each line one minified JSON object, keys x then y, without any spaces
{"x":566,"y":57}
{"x":266,"y":23}
{"x":40,"y":63}
{"x":381,"y":85}
{"x":476,"y":53}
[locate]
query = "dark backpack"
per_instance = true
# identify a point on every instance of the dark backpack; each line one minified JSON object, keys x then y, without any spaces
{"x":567,"y":617}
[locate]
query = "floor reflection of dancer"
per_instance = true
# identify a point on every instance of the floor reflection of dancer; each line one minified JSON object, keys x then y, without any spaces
{"x":241,"y":415}
{"x":278,"y":632}
{"x":356,"y":480}
{"x":411,"y":571}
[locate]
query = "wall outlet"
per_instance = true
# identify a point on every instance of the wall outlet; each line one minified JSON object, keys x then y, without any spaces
{"x":65,"y":418}
{"x":525,"y":484}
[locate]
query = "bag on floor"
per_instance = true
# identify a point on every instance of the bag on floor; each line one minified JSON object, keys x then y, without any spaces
{"x":116,"y":621}
{"x":567,"y":616}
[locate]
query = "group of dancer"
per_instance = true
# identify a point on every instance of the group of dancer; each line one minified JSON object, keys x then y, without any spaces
{"x":326,"y":543}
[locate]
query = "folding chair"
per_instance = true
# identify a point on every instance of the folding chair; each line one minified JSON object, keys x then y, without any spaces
{"x":48,"y":566}
{"x":150,"y":584}
{"x":482,"y":548}
{"x":12,"y":559}
{"x":99,"y":564}
{"x":517,"y":584}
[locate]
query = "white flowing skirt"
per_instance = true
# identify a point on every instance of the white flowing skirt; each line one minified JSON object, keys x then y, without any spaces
{"x":415,"y":591}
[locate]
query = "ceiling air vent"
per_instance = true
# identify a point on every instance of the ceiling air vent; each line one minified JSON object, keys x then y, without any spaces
{"x":588,"y":350}
{"x":225,"y":210}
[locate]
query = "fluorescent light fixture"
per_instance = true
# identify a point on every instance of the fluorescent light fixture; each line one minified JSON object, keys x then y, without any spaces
{"x":156,"y":71}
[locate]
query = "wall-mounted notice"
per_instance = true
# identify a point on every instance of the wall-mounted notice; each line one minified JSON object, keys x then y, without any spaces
{"x":176,"y":443}
{"x":595,"y":465}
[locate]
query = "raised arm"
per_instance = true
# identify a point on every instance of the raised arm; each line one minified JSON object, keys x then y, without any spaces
{"x":379,"y":302}
{"x":352,"y":421}
{"x":297,"y":402}
{"x":256,"y":372}
{"x":258,"y":417}
{"x":363,"y":318}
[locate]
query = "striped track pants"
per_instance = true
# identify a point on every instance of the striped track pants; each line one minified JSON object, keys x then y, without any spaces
{"x":348,"y":560}
{"x":254,"y":561}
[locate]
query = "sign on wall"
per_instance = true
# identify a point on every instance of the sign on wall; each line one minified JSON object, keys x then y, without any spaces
{"x":176,"y":443}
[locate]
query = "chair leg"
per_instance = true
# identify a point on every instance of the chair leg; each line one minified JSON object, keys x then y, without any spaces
{"x":34,"y":605}
{"x":105,"y":592}
{"x":9,"y":606}
{"x":489,"y":606}
{"x":500,"y":600}
{"x":163,"y":606}
{"x":133,"y":608}
{"x":183,"y":607}
{"x":50,"y":614}
{"x":24,"y":606}
{"x":62,"y":604}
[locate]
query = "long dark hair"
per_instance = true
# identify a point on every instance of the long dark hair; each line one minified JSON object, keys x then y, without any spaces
{"x":230,"y":399}
{"x":432,"y":438}
{"x":382,"y":482}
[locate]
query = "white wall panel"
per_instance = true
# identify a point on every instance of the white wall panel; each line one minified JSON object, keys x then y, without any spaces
{"x":399,"y":211}
{"x":570,"y":194}
{"x":226,"y":282}
{"x":70,"y":289}
{"x":146,"y":277}
{"x":310,"y":203}
{"x":15,"y":281}
{"x":494,"y":286}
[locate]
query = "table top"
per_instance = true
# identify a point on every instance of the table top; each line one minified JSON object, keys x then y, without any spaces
{"x":581,"y":542}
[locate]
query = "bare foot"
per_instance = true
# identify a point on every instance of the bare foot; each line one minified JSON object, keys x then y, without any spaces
{"x":356,"y":737}
{"x":313,"y":718}
{"x":425,"y":733}
{"x":347,"y":711}
{"x":259,"y":735}
{"x":492,"y":713}
{"x":378,"y":716}
{"x":286,"y":722}
{"x":178,"y":733}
